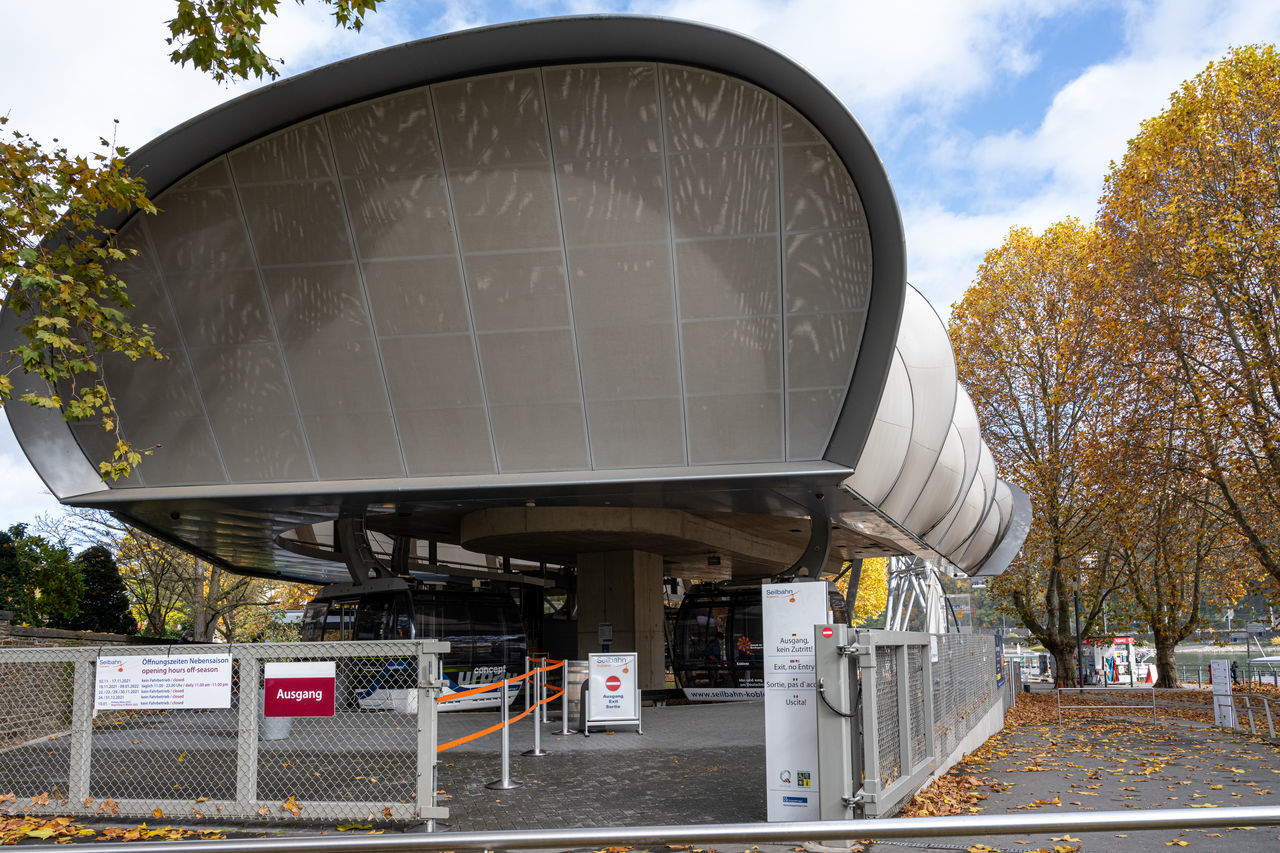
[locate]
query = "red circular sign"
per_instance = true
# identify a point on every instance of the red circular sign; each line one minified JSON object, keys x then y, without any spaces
{"x":613,"y":682}
{"x":827,"y":632}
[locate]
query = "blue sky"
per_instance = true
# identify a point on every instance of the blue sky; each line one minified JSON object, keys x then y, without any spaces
{"x":987,"y":113}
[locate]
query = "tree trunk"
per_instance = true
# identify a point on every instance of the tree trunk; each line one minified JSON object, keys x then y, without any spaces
{"x":1064,"y":657}
{"x":1166,"y":663}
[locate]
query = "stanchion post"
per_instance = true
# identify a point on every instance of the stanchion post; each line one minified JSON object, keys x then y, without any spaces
{"x":564,"y":698}
{"x":506,"y":781}
{"x":528,"y":687}
{"x":545,"y":712}
{"x":538,"y":676}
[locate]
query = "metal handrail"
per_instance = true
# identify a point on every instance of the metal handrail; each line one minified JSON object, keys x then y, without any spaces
{"x":1107,"y":707}
{"x":1249,"y":699}
{"x":746,"y":833}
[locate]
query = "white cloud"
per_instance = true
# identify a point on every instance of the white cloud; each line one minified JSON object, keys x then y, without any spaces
{"x":887,"y":58}
{"x":22,"y":494}
{"x":1057,"y":170}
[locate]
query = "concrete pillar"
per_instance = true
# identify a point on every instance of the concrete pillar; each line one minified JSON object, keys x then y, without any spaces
{"x":623,"y":588}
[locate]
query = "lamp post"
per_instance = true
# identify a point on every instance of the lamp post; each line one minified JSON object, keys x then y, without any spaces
{"x":1079,"y":647}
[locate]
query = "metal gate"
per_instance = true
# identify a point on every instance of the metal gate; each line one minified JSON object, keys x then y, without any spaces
{"x":895,"y":708}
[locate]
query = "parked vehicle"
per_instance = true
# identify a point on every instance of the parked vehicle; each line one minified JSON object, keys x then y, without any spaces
{"x":486,"y":636}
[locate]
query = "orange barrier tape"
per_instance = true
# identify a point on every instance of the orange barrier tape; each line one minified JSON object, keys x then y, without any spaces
{"x":468,"y":738}
{"x":485,"y":688}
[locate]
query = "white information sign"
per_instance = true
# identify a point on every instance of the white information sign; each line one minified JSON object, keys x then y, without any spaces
{"x":167,"y":681}
{"x":1224,"y":712}
{"x":790,"y":697}
{"x":612,"y":693}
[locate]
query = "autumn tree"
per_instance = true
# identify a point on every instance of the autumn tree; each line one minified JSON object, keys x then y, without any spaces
{"x":1191,"y":221}
{"x":39,"y":581}
{"x":1169,"y":530}
{"x":105,"y":606}
{"x":1038,"y":361}
{"x":56,"y":255}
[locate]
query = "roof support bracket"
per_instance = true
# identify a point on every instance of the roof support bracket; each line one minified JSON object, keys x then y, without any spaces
{"x":353,"y":544}
{"x":814,"y":559}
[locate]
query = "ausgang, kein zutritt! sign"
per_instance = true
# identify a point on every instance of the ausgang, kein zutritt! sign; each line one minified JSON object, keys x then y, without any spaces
{"x":791,"y":726}
{"x":300,"y":689}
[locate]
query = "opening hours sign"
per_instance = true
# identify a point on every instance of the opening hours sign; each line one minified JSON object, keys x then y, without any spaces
{"x":163,"y":681}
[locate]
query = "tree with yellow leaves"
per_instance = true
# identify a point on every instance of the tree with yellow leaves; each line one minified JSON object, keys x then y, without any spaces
{"x":872,"y":591}
{"x":1191,"y":220}
{"x":1039,"y":360}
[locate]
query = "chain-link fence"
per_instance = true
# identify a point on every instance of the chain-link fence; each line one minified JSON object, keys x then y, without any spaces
{"x":964,"y":686}
{"x":193,"y":732}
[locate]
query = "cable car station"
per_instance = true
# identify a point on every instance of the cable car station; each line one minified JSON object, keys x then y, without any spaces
{"x":608,"y":300}
{"x":504,"y":335}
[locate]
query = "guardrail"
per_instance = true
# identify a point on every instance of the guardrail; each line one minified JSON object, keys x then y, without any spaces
{"x":1249,"y":705}
{"x":1109,"y":706}
{"x":953,"y":827}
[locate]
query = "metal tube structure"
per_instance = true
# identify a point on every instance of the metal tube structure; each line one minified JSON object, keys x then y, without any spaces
{"x":506,"y":781}
{"x":955,"y":826}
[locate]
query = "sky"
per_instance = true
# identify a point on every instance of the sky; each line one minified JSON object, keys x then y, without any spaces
{"x":987,"y":114}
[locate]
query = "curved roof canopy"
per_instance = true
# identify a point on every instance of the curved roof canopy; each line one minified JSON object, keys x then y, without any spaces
{"x":585,"y":262}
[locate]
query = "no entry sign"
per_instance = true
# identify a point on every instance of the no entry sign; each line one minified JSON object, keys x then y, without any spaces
{"x":613,"y":694}
{"x":303,"y":689}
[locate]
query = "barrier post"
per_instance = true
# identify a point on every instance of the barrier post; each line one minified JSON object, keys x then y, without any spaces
{"x":545,"y":712}
{"x":538,"y":689}
{"x":564,"y":698}
{"x":506,"y":781}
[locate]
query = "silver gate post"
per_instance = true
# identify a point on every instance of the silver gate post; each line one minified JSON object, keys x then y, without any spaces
{"x":837,"y":779}
{"x":539,"y":688}
{"x":506,"y":781}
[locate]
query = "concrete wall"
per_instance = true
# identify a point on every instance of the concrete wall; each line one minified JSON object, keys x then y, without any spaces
{"x":623,"y":588}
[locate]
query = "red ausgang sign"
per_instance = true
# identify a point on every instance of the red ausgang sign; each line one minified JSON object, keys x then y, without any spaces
{"x":303,"y":689}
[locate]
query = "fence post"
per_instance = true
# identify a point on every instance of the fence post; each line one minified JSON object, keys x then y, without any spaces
{"x":506,"y":781}
{"x":871,"y":785}
{"x":247,"y":740}
{"x":931,"y":736}
{"x":428,"y":691}
{"x":81,"y":728}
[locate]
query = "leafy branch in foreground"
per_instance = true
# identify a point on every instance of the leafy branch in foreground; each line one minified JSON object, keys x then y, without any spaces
{"x":223,"y":37}
{"x":56,"y":278}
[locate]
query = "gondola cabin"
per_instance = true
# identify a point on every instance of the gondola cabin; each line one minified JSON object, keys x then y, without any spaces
{"x":486,"y":637}
{"x":717,"y":645}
